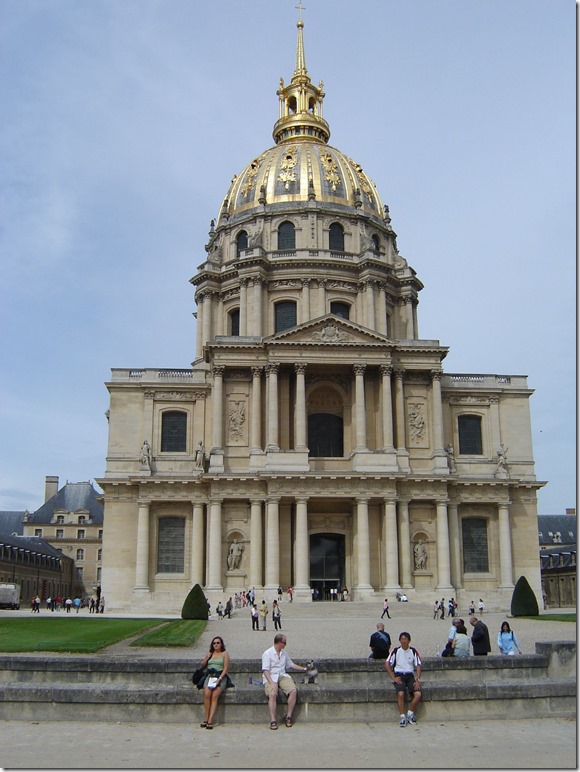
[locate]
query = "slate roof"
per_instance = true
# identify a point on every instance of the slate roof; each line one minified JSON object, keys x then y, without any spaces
{"x":562,"y":528}
{"x":32,"y":543}
{"x":11,"y":521}
{"x":73,"y":497}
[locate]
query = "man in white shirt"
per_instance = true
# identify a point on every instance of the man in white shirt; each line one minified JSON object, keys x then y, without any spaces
{"x":275,"y":663}
{"x":404,"y":668}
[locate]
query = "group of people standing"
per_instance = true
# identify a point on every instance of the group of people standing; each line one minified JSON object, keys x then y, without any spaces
{"x":260,"y":613}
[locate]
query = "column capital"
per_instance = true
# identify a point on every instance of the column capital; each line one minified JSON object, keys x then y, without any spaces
{"x":272,"y":368}
{"x":218,"y":371}
{"x":302,"y":499}
{"x":300,"y":367}
{"x":257,"y":280}
{"x":257,"y":371}
{"x":359,"y":369}
{"x":436,"y":375}
{"x":399,"y":373}
{"x":244,"y":281}
{"x":386,"y":369}
{"x":143,"y":502}
{"x":306,"y":282}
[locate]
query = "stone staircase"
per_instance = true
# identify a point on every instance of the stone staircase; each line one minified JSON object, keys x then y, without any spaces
{"x":104,"y":687}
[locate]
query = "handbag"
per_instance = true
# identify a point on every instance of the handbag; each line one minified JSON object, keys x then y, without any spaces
{"x":198,"y":675}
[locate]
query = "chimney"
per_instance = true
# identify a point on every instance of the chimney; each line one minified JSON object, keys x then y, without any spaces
{"x":571,"y":511}
{"x":50,"y":487}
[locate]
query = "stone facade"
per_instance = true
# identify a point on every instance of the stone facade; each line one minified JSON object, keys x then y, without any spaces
{"x":316,"y":442}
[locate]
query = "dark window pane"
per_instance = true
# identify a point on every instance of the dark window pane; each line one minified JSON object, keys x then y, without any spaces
{"x":475,"y":553}
{"x":174,"y":433}
{"x":469,"y":427}
{"x":286,"y":236}
{"x":375,"y":240}
{"x":241,"y":242}
{"x":235,"y":322}
{"x":171,"y":545}
{"x":325,"y":432}
{"x":285,"y":315}
{"x":336,"y":237}
{"x":340,"y":309}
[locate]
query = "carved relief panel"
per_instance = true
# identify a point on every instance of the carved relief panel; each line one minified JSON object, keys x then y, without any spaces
{"x":237,"y":415}
{"x":417,"y":422}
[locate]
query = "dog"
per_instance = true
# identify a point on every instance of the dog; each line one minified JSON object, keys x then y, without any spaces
{"x":310,"y":676}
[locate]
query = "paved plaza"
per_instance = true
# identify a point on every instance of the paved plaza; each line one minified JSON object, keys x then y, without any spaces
{"x":314,"y":631}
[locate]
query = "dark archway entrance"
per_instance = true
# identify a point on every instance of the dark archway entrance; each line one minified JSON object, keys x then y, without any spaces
{"x":327,"y":571}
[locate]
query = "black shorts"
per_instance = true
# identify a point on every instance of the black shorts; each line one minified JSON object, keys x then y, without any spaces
{"x":407,"y":682}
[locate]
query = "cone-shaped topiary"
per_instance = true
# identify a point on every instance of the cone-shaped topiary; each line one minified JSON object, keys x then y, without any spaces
{"x":195,"y":605}
{"x":524,"y":603}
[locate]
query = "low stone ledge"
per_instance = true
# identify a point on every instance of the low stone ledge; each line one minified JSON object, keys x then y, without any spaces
{"x":561,"y":656}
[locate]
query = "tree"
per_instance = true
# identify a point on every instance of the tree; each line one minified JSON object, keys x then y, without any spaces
{"x":195,"y":605}
{"x":524,"y":603}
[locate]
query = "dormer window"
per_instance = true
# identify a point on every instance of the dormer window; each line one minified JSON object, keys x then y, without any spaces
{"x":286,"y":236}
{"x":376,"y":243}
{"x":336,"y":237}
{"x":241,"y":242}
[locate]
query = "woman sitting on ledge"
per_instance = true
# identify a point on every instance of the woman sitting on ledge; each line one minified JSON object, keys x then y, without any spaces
{"x":217,"y":661}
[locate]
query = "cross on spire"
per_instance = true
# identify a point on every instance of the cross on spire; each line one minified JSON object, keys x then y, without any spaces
{"x":300,"y":8}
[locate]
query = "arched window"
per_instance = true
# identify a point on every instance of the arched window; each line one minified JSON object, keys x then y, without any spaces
{"x":340,"y":309}
{"x":170,"y":545}
{"x":375,"y":240}
{"x":235,"y":322}
{"x":325,"y":433}
{"x":174,"y":432}
{"x":336,"y":237}
{"x":475,"y":551}
{"x":286,"y":235}
{"x":292,"y":104}
{"x":241,"y":242}
{"x":284,"y":315}
{"x":469,"y":430}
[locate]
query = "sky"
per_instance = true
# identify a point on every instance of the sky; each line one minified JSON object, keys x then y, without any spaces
{"x":125,"y":120}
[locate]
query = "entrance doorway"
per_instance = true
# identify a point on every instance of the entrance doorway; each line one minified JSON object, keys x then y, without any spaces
{"x":327,"y":574}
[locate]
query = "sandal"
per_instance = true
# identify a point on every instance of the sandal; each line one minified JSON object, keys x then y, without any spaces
{"x":288,"y":721}
{"x":203,"y":724}
{"x":209,"y":726}
{"x":273,"y":725}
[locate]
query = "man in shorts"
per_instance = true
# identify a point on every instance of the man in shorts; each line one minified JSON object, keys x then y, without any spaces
{"x":404,"y":668}
{"x":275,"y":663}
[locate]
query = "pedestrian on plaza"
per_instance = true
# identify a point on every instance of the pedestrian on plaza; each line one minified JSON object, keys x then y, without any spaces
{"x":480,"y":606}
{"x":102,"y":605}
{"x":386,"y":608}
{"x":255,"y":617}
{"x":471,"y":608}
{"x":263,"y":614}
{"x":448,"y":650}
{"x":442,"y":608}
{"x":507,"y":641}
{"x":92,"y":606}
{"x":228,"y":608}
{"x":461,"y":641}
{"x":290,"y":592}
{"x":279,"y":593}
{"x":480,"y":637}
{"x":451,"y":608}
{"x":68,"y":604}
{"x":435,"y":609}
{"x":217,"y":662}
{"x":220,"y":611}
{"x":380,"y":643}
{"x":275,"y":664}
{"x":404,"y":668}
{"x":77,"y":604}
{"x":276,"y":615}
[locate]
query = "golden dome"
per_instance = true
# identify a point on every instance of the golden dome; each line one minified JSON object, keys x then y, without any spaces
{"x":301,"y":166}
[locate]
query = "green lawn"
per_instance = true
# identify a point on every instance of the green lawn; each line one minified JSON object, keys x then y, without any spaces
{"x":68,"y":633}
{"x":554,"y":618}
{"x":181,"y":632}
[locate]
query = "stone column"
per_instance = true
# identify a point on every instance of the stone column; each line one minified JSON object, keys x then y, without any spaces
{"x":256,"y":425}
{"x":218,"y":408}
{"x":321,"y":297}
{"x":207,"y":317}
{"x":363,"y":544}
{"x":400,"y":411}
{"x":408,"y":301}
{"x":272,"y":439}
{"x":370,"y":304}
{"x":214,"y":574}
{"x":437,"y":408}
{"x":300,"y":407}
{"x":306,"y":300}
{"x":142,"y":554}
{"x":386,"y":371}
{"x":415,"y":319}
{"x":405,"y":543}
{"x":272,"y":544}
{"x":494,"y":424}
{"x":505,"y":547}
{"x":382,"y":310}
{"x":443,"y":560}
{"x":257,"y":320}
{"x":256,"y":576}
{"x":244,"y":306}
{"x":302,"y":575}
{"x":361,"y":429}
{"x":197,"y":556}
{"x":454,"y":545}
{"x":391,"y":546}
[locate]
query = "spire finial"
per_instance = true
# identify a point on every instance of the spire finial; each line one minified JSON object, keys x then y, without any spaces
{"x":300,"y":56}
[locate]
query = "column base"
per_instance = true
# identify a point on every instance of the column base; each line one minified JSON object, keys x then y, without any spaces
{"x":141,"y":589}
{"x":216,"y":461}
{"x":301,"y":594}
{"x":363,"y":592}
{"x":403,"y":460}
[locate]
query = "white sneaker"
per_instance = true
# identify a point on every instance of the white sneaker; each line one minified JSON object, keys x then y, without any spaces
{"x":411,"y":718}
{"x":403,"y":721}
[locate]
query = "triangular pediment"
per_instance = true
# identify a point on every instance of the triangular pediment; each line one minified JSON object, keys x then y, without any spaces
{"x":329,"y":330}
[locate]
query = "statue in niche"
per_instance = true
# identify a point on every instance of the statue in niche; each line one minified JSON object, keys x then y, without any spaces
{"x":235,"y":555}
{"x":502,"y":467}
{"x":145,"y":455}
{"x":255,"y":239}
{"x":200,"y":456}
{"x":420,"y":554}
{"x":451,"y":458}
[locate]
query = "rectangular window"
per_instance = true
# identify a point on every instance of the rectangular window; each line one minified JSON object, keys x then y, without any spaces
{"x":60,"y":533}
{"x":475,"y":550}
{"x":171,"y":545}
{"x":81,"y":533}
{"x":60,"y":519}
{"x":469,"y":430}
{"x":285,"y":315}
{"x":99,"y":554}
{"x":38,"y":532}
{"x":79,"y":573}
{"x":174,"y":432}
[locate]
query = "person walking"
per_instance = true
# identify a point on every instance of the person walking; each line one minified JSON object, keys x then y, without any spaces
{"x":480,"y":606}
{"x":255,"y":617}
{"x":480,"y":637}
{"x":228,"y":608}
{"x":276,"y":615}
{"x":386,"y":609}
{"x":403,"y":666}
{"x":264,"y":614}
{"x":507,"y":641}
{"x":275,"y":664}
